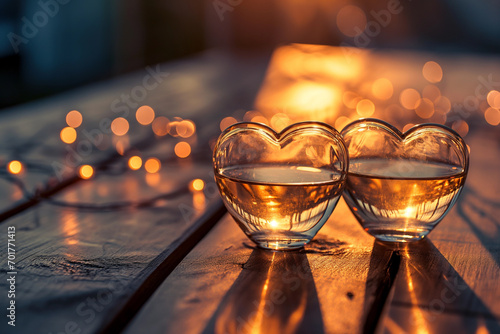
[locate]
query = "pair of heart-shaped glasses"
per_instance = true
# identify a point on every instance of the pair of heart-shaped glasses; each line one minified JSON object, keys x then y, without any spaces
{"x":282,"y":187}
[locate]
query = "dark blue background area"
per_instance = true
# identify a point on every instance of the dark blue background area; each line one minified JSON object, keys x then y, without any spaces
{"x":48,"y":46}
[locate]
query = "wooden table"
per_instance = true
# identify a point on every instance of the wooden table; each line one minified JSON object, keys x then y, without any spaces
{"x":132,"y":252}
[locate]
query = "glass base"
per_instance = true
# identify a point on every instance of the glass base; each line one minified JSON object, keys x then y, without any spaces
{"x":279,"y":242}
{"x":397,"y":236}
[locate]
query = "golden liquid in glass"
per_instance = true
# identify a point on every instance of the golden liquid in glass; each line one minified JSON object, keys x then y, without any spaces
{"x":401,"y":200}
{"x":279,"y":206}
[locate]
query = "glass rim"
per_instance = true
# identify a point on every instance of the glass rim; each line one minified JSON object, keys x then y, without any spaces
{"x":403,"y":135}
{"x":279,"y":136}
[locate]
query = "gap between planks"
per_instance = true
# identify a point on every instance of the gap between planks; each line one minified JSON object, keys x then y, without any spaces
{"x":151,"y":277}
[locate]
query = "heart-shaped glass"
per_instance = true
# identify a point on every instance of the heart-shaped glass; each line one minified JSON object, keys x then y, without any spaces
{"x":280,"y":187}
{"x":400,"y":186}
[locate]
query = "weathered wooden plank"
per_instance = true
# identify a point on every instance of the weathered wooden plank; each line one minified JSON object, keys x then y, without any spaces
{"x":227,"y":285}
{"x":149,"y":279}
{"x":83,"y":268}
{"x":209,"y":292}
{"x":69,"y":259}
{"x":418,"y":320}
{"x":450,"y":282}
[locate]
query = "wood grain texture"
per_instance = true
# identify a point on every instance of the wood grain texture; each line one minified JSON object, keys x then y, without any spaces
{"x":226,"y":285}
{"x":450,"y":282}
{"x":79,"y":268}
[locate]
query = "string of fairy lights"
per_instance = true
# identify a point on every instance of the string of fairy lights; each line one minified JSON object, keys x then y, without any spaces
{"x":372,"y":99}
{"x":14,"y":171}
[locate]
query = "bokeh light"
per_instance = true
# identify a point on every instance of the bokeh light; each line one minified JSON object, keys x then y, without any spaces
{"x":135,"y":162}
{"x":365,"y":108}
{"x":260,"y":119}
{"x":74,"y":119}
{"x":408,"y":127}
{"x":461,"y":127}
{"x":182,"y":149}
{"x":432,"y":72}
{"x":186,"y":128}
{"x":145,"y":115}
{"x":161,"y":126}
{"x":492,"y":116}
{"x":350,"y":99}
{"x":409,"y":98}
{"x":86,"y":172}
{"x":173,"y":126}
{"x":442,"y":105}
{"x":483,"y":105}
{"x":280,"y":121}
{"x":431,"y":92}
{"x":199,"y":202}
{"x":341,"y":122}
{"x":153,"y":180}
{"x":351,"y":20}
{"x":121,"y":144}
{"x":382,"y":89}
{"x":197,"y":185}
{"x":68,"y":135}
{"x":152,"y":165}
{"x":493,"y":99}
{"x":425,"y":108}
{"x":227,"y":122}
{"x":249,"y":115}
{"x":15,"y":167}
{"x":119,"y":126}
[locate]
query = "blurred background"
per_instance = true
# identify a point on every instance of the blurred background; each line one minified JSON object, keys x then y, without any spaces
{"x":48,"y":46}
